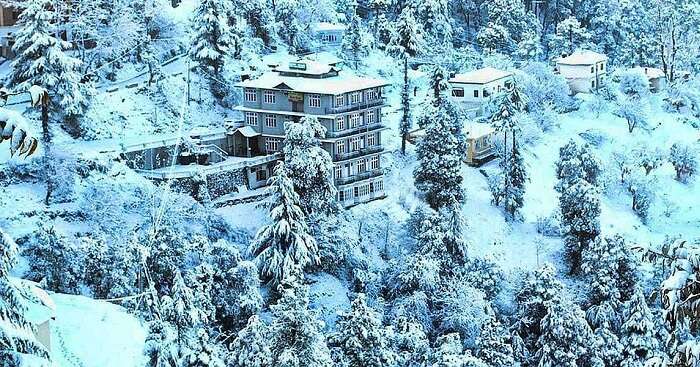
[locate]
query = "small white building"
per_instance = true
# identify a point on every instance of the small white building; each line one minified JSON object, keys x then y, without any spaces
{"x":480,"y":143}
{"x":475,"y":88}
{"x":329,"y":35}
{"x":656,"y":76}
{"x":584,"y":70}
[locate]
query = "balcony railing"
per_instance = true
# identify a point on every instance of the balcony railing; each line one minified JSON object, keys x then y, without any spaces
{"x":359,"y":177}
{"x":358,"y":153}
{"x":379,"y":101}
{"x":354,"y":130}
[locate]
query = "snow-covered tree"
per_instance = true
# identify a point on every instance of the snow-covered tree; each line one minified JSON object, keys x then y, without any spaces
{"x":41,"y":60}
{"x":434,"y":17}
{"x":455,"y":226}
{"x":181,"y":310}
{"x":576,"y":162}
{"x":251,"y":347}
{"x":494,"y":38}
{"x":530,"y":48}
{"x":204,"y":352}
{"x":440,"y":150}
{"x":239,"y":291}
{"x":493,"y":344}
{"x":211,"y":36}
{"x":309,"y":166}
{"x":406,"y":42}
{"x":540,"y":290}
{"x":637,"y":334}
{"x":566,"y":337}
{"x":684,"y":160}
{"x":18,"y":345}
{"x":410,"y":343}
{"x":570,"y":36}
{"x":160,"y":346}
{"x":507,"y":106}
{"x":54,"y":260}
{"x":361,"y":338}
{"x":450,"y":353}
{"x":580,"y":210}
{"x":259,"y":17}
{"x":354,"y":44}
{"x":296,"y":339}
{"x":543,"y":88}
{"x":286,"y":242}
{"x":462,"y":309}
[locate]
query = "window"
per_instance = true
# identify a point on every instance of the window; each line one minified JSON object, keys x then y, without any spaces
{"x":272,"y":144}
{"x":357,"y":191}
{"x":371,"y":140}
{"x":340,"y":123}
{"x":476,"y":93}
{"x":355,"y":98}
{"x":486,"y":93}
{"x":269,"y":96}
{"x":356,"y":143}
{"x":379,"y":185}
{"x":340,"y":147}
{"x":458,"y":92}
{"x":261,"y":174}
{"x":370,"y":117}
{"x":341,"y":195}
{"x":361,"y":166}
{"x":602,"y":66}
{"x":592,"y":69}
{"x":314,"y":100}
{"x":355,"y":120}
{"x":372,"y":94}
{"x":251,"y":95}
{"x":592,"y":83}
{"x":338,"y":172}
{"x":270,"y":121}
{"x":251,"y":118}
{"x":374,"y":162}
{"x":339,"y":100}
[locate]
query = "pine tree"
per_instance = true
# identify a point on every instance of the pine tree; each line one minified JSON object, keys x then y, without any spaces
{"x":251,"y":348}
{"x":440,"y":151}
{"x":160,"y":345}
{"x":285,"y":243}
{"x":17,"y":342}
{"x":205,"y":353}
{"x":295,"y":337}
{"x":361,"y":337}
{"x":565,"y":339}
{"x":41,"y":60}
{"x":211,"y":37}
{"x":450,"y":353}
{"x":182,"y":311}
{"x":580,"y":211}
{"x":576,"y":162}
{"x":569,"y":37}
{"x":493,"y":344}
{"x":410,"y":343}
{"x":259,"y":17}
{"x":353,"y":43}
{"x":540,"y":290}
{"x":309,"y":166}
{"x":406,"y":42}
{"x":637,"y":333}
{"x":454,"y":226}
{"x":435,"y":19}
{"x":54,"y":260}
{"x":508,"y":105}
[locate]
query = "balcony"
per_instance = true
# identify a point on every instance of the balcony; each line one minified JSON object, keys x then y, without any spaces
{"x":380,"y":101}
{"x":358,"y":153}
{"x":354,"y":130}
{"x":359,"y":177}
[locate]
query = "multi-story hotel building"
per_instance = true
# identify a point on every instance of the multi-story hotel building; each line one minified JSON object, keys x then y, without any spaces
{"x":348,"y":106}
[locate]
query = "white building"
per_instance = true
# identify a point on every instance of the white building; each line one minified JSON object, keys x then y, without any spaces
{"x":475,"y":88}
{"x":584,"y":71}
{"x":656,"y":76}
{"x":329,"y":35}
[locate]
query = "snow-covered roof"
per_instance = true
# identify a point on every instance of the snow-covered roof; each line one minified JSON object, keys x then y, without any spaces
{"x":481,"y":76}
{"x":327,"y":26}
{"x":651,"y":73}
{"x":477,"y":130}
{"x":247,"y":131}
{"x":582,"y":58}
{"x":324,"y":57}
{"x":332,"y":85}
{"x":302,"y":66}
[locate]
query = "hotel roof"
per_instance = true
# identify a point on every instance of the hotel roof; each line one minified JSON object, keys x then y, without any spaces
{"x":481,"y":76}
{"x":331,"y":85}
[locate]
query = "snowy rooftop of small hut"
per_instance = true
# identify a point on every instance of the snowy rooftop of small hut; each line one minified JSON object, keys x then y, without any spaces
{"x":476,"y":130}
{"x":582,"y":58}
{"x":481,"y":76}
{"x":651,"y":73}
{"x":328,"y":26}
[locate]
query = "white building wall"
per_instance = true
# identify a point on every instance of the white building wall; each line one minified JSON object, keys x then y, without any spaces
{"x":583,"y":78}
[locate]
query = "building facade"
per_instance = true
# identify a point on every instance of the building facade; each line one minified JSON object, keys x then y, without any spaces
{"x":349,"y":107}
{"x":329,"y":35}
{"x":8,"y":21}
{"x":584,"y":71}
{"x":475,"y":88}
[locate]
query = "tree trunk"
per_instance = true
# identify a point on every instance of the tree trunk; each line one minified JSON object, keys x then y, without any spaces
{"x":404,"y":134}
{"x":48,"y":164}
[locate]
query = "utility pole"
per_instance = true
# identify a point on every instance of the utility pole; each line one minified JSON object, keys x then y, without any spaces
{"x":48,"y":164}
